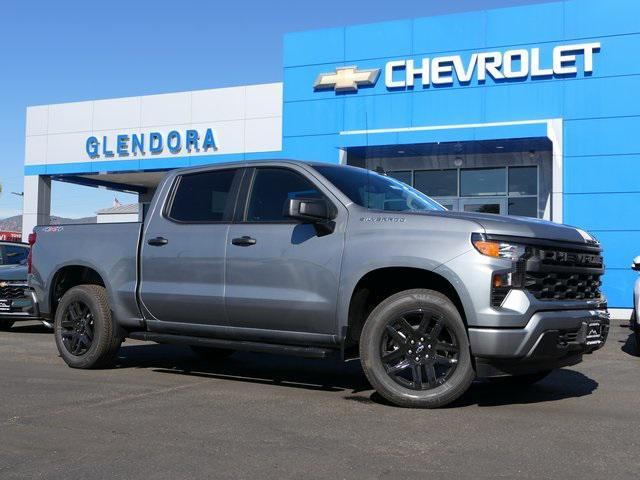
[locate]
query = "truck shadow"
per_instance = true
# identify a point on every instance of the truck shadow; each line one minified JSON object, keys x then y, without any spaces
{"x":335,"y":376}
{"x":330,"y":375}
{"x":559,"y":385}
{"x":29,"y":327}
{"x":629,"y":345}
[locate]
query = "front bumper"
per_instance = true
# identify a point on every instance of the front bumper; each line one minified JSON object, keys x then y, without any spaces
{"x":23,"y":309}
{"x":550,"y":339}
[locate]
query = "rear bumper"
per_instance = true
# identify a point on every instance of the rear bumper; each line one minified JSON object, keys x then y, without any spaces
{"x":550,"y":339}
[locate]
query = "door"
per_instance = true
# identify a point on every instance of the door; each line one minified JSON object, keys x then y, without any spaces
{"x":497,"y":205}
{"x":281,"y":273}
{"x":183,"y":249}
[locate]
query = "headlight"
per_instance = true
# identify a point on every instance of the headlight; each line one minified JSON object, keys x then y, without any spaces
{"x":497,"y":249}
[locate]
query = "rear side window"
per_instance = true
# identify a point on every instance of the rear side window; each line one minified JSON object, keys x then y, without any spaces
{"x":203,"y":197}
{"x":271,"y":190}
{"x":13,"y":255}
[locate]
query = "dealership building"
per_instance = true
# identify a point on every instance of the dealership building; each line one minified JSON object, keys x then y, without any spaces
{"x":531,"y":110}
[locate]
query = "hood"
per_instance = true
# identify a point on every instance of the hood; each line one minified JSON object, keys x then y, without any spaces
{"x":522,"y":227}
{"x":13,"y":273}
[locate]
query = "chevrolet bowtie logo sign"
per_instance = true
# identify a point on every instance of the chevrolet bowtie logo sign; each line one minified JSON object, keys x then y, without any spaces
{"x":346,"y":79}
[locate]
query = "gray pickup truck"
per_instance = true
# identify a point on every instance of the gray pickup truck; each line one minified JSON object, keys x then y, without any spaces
{"x":318,"y":260}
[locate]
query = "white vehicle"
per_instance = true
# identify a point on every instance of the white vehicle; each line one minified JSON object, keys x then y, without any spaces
{"x":635,"y":325}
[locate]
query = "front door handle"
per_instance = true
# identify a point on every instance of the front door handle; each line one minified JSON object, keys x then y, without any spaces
{"x":245,"y":241}
{"x":158,"y":241}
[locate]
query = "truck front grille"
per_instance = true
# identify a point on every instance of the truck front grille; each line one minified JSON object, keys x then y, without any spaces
{"x":13,"y":292}
{"x":563,"y":273}
{"x":563,"y":286}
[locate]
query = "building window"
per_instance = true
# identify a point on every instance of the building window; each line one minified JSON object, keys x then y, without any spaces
{"x":437,"y":183}
{"x":404,"y":176}
{"x":483,"y":182}
{"x":523,"y":181}
{"x":501,"y":190}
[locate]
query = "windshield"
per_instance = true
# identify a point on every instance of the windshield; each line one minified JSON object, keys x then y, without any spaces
{"x":377,"y":192}
{"x":13,"y":255}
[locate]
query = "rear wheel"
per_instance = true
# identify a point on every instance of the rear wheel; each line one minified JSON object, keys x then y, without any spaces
{"x":415,"y":350}
{"x":210,"y":353}
{"x":85,"y":333}
{"x":5,"y":325}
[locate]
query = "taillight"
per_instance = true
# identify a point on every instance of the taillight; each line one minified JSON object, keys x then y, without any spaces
{"x":32,"y":241}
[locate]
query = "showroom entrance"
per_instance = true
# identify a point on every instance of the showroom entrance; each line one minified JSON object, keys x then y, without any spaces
{"x":505,"y":177}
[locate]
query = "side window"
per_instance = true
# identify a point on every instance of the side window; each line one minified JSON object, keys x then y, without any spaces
{"x":271,"y":189}
{"x":203,"y":197}
{"x":14,"y":254}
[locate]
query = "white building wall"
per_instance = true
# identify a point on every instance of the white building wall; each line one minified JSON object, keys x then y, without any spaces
{"x":243,"y":119}
{"x":117,"y":218}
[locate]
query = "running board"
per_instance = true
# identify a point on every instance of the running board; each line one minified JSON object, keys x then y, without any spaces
{"x":307,"y":352}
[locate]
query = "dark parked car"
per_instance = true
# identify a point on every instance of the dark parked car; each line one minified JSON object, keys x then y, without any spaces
{"x":16,"y":299}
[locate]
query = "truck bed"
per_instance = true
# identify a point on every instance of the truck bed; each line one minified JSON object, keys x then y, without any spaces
{"x":110,"y":249}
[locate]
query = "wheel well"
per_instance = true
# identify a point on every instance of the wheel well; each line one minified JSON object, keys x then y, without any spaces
{"x":379,"y":284}
{"x":69,"y":277}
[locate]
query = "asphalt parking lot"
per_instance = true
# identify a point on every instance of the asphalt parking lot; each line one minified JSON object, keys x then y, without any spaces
{"x":165,"y":414}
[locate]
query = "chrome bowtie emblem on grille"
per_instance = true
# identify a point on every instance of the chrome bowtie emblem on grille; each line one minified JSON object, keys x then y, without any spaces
{"x":346,"y":79}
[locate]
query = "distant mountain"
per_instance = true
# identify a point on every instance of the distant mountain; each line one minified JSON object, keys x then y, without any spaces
{"x":15,"y":223}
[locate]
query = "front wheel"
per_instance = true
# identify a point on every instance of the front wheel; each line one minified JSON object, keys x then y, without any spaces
{"x":85,"y":333}
{"x":415,"y":350}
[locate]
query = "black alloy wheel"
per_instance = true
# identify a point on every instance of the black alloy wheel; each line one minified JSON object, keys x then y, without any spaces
{"x":418,"y":350}
{"x":77,"y":328}
{"x":414,"y":349}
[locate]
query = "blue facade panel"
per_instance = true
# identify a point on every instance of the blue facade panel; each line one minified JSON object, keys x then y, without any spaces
{"x":446,"y":33}
{"x":527,"y":24}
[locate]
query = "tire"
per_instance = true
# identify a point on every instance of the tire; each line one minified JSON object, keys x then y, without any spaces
{"x":444,"y":364}
{"x":211,"y":353}
{"x":522,"y":380}
{"x":5,"y":325}
{"x":85,"y":333}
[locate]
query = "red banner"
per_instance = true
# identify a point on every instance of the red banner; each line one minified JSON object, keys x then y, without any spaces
{"x":6,"y":236}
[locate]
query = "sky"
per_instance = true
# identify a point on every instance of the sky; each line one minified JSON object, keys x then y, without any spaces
{"x":74,"y":50}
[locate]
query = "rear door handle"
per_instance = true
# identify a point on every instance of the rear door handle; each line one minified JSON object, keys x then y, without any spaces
{"x":158,"y":241}
{"x":245,"y":241}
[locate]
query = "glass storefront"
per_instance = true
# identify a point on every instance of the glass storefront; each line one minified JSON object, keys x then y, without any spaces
{"x":502,"y":190}
{"x":507,"y":177}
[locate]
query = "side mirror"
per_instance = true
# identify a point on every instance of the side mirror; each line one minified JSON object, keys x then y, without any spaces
{"x":312,"y":210}
{"x":308,"y":209}
{"x":635,"y":265}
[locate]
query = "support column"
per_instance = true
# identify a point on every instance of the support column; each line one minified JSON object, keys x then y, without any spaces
{"x":36,"y":207}
{"x":555,"y":134}
{"x":144,"y":200}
